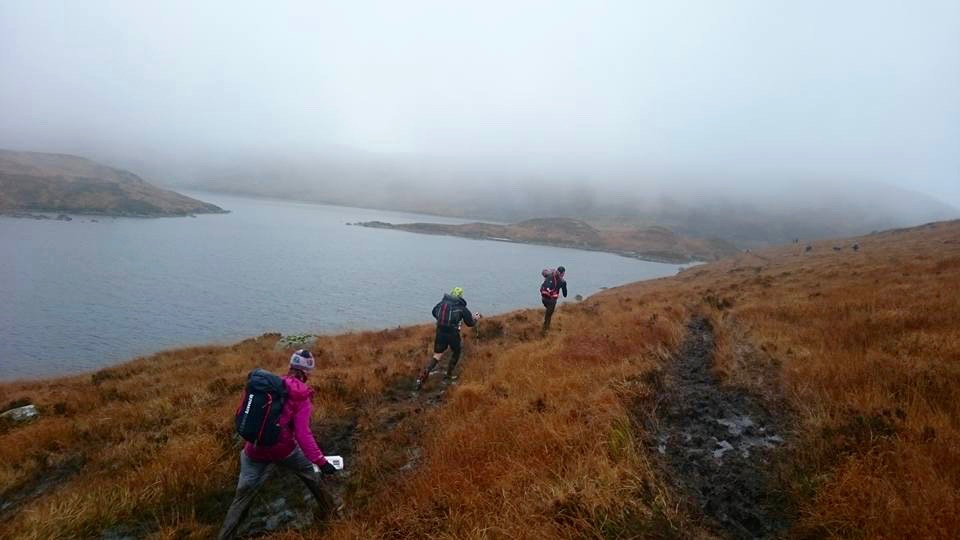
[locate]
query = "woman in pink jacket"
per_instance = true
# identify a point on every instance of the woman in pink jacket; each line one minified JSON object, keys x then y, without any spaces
{"x":295,"y":450}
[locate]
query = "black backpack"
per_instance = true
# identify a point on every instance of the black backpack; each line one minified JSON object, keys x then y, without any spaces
{"x":258,"y":416}
{"x":448,"y":314}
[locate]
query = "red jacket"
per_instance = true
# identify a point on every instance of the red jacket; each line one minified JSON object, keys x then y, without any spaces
{"x":552,"y":286}
{"x":294,"y":427}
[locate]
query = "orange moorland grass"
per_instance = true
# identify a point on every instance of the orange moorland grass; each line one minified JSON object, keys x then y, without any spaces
{"x":864,"y":348}
{"x":867,"y":347}
{"x":535,"y":441}
{"x":545,"y":437}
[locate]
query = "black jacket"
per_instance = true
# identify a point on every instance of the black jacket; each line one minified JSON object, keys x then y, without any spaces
{"x":451,"y":311}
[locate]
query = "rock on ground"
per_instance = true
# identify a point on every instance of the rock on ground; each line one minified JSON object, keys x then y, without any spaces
{"x":292,"y":342}
{"x":21,"y":414}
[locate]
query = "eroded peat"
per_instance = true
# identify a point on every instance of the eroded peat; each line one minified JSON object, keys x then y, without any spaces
{"x":716,"y":445}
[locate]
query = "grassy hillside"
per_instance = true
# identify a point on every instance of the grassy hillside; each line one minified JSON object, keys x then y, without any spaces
{"x":648,"y":243}
{"x":38,"y":182}
{"x":853,"y":358}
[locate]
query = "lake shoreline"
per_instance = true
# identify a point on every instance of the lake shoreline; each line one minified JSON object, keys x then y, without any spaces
{"x":107,"y":289}
{"x":45,"y":214}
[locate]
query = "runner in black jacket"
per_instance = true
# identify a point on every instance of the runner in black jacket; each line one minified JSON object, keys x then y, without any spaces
{"x":449,"y":313}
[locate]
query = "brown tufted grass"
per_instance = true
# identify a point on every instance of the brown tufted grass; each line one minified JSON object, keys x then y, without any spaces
{"x":541,"y":438}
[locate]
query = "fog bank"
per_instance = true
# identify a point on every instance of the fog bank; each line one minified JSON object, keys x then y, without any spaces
{"x":679,"y":99}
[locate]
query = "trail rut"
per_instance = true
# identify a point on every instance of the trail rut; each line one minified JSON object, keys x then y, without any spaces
{"x":390,"y":419}
{"x":716,"y":444}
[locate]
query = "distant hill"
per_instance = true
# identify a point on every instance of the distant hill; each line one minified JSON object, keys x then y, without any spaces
{"x":648,"y":243}
{"x":749,"y":212}
{"x":39,"y":182}
{"x":809,"y":212}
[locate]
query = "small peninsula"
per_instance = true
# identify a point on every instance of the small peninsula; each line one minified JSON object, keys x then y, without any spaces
{"x":65,"y":184}
{"x":657,"y":244}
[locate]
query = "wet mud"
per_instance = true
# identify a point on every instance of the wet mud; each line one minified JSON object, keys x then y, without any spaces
{"x":378,"y":442}
{"x":397,"y":420}
{"x":717,"y":445}
{"x":284,"y":502}
{"x":39,"y":485}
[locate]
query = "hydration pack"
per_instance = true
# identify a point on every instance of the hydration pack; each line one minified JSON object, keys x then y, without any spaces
{"x":258,"y":416}
{"x":450,"y":312}
{"x":448,"y":315}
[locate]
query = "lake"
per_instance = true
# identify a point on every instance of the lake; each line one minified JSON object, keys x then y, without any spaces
{"x":79,"y":295}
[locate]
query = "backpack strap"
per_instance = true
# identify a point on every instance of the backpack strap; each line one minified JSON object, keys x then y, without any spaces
{"x":266,"y":416}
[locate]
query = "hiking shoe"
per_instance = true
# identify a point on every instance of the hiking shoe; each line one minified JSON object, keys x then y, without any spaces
{"x":419,"y":384}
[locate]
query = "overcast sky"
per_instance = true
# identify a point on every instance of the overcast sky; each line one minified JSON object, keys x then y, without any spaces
{"x":860,"y":90}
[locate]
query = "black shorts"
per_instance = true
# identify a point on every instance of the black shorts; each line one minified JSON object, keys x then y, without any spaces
{"x":549,"y":303}
{"x":446,"y":338}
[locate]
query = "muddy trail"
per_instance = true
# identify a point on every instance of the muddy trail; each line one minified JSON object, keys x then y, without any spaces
{"x":284,"y":502}
{"x":716,"y":445}
{"x":379,"y":435}
{"x":379,"y":442}
{"x":32,"y":488}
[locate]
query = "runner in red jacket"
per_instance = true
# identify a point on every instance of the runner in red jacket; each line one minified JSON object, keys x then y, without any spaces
{"x":550,"y":290}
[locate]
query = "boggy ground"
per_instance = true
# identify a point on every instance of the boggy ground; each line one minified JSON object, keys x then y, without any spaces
{"x":855,"y":354}
{"x":717,"y":443}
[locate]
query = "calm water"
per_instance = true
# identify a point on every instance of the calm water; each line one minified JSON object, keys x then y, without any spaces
{"x":80,"y":295}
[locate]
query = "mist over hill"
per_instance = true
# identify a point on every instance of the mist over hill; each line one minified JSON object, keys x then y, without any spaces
{"x":755,"y":122}
{"x":749,"y":212}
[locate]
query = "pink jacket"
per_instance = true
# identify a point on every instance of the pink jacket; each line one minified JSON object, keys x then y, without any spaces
{"x":294,"y":427}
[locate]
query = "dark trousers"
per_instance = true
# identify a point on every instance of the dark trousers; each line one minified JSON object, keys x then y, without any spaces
{"x":551,"y":305}
{"x":445,"y":338}
{"x":252,"y":475}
